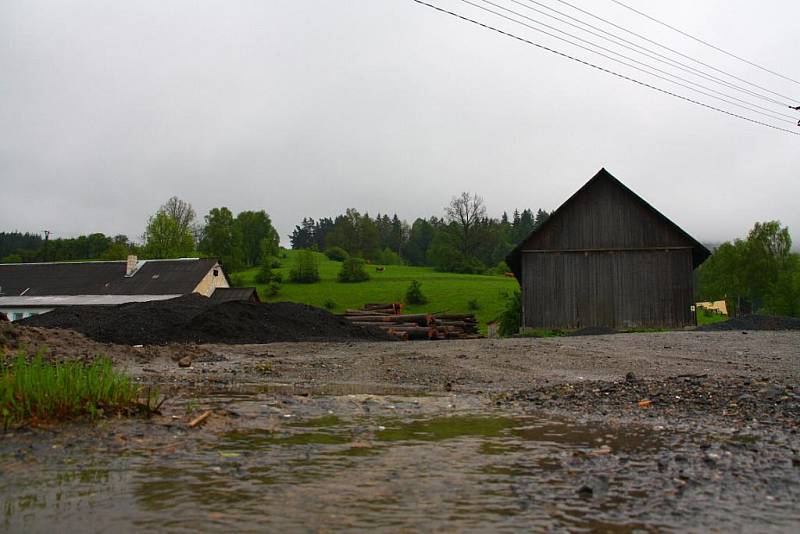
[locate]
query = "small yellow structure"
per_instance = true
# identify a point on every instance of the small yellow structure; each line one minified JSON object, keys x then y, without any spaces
{"x":718,"y":306}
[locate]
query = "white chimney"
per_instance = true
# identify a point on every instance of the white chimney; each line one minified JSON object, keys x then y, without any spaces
{"x":130,"y":267}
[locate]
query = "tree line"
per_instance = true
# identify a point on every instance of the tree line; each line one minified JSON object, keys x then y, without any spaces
{"x":464,"y":240}
{"x":17,"y":247}
{"x":759,"y":273}
{"x":240,"y":241}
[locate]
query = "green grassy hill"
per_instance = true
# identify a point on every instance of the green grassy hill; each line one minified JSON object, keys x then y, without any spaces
{"x":446,"y":292}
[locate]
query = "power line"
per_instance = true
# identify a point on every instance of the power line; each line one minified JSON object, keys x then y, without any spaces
{"x":665,"y":47}
{"x":705,"y":42}
{"x":775,"y":117}
{"x":777,"y":114}
{"x":647,"y":51}
{"x":603,"y":69}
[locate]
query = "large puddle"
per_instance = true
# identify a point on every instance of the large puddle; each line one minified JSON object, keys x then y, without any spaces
{"x":271,"y":461}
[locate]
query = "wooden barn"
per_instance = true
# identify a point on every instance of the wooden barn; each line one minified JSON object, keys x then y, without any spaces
{"x":607,"y":258}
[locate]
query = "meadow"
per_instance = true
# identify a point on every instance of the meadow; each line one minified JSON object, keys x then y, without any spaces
{"x":446,"y":292}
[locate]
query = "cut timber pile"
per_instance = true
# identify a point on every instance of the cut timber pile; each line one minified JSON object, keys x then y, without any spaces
{"x":391,"y":319}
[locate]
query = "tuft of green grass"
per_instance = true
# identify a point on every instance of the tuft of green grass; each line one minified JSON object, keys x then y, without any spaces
{"x":35,"y":390}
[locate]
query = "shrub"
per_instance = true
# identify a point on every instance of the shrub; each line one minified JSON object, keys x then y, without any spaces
{"x":329,"y":304}
{"x":388,"y":257}
{"x":305,"y":269}
{"x":272,"y":289}
{"x":337,"y":254}
{"x":511,"y":318}
{"x":414,"y":294}
{"x":499,"y":270}
{"x":236,"y":280}
{"x":353,"y":271}
{"x":473,"y":305}
{"x":265,"y":274}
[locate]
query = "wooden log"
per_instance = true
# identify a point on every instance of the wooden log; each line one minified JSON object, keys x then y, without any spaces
{"x":383,"y":326}
{"x":386,"y":305}
{"x":199,"y":419}
{"x":416,"y":333}
{"x":413,"y":318}
{"x":411,"y":329}
{"x":455,"y":317}
{"x":366,"y":312}
{"x":462,"y":324}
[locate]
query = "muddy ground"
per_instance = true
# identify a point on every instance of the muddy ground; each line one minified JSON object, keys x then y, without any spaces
{"x":486,"y":365}
{"x":652,"y":432}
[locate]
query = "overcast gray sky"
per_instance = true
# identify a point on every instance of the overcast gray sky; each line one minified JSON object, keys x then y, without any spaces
{"x":308,"y":108}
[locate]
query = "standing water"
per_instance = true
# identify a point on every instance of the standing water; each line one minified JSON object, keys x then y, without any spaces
{"x":280,"y":459}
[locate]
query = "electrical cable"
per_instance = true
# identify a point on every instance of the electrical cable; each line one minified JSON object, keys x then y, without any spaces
{"x":770,"y":111}
{"x":603,"y":69}
{"x":645,"y":65}
{"x":673,"y":50}
{"x":673,"y":28}
{"x":639,"y":49}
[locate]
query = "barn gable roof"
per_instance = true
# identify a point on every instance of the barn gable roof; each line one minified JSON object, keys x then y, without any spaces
{"x":153,"y":277}
{"x":699,"y":252}
{"x":236,"y":294}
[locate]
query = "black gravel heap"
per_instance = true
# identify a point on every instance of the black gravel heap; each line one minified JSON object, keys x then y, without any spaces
{"x":197,"y":319}
{"x":754,"y":322}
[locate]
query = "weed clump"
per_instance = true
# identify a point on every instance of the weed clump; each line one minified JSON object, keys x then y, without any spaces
{"x":510,"y":319}
{"x":35,"y":390}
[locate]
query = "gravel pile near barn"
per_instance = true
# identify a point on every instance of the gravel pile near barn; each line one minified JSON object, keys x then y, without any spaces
{"x":754,"y":322}
{"x":197,"y":319}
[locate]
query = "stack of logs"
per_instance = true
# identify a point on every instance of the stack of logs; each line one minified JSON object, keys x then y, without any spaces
{"x":391,"y":319}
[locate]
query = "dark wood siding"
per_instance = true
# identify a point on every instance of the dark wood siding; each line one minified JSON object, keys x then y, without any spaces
{"x":620,"y":289}
{"x":605,"y":216}
{"x":607,"y":258}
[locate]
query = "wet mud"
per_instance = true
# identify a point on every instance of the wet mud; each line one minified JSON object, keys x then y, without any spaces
{"x":548,"y":435}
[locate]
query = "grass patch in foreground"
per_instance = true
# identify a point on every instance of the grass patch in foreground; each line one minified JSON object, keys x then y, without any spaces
{"x":34,"y":391}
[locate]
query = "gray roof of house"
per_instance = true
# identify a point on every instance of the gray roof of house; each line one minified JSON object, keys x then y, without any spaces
{"x":153,"y":277}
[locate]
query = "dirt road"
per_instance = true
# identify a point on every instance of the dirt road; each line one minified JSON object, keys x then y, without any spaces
{"x":488,"y":365}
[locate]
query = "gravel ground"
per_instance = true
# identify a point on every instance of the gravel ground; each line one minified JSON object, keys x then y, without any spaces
{"x":497,"y":365}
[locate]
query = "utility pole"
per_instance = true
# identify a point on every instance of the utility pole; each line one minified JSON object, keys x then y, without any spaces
{"x":46,"y":241}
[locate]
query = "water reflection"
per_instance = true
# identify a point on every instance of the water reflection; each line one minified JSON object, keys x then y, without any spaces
{"x":360,"y":470}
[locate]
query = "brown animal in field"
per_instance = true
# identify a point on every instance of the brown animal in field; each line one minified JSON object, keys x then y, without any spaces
{"x":379,"y":269}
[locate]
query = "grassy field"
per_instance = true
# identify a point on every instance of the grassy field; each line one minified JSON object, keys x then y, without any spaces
{"x":446,"y":292}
